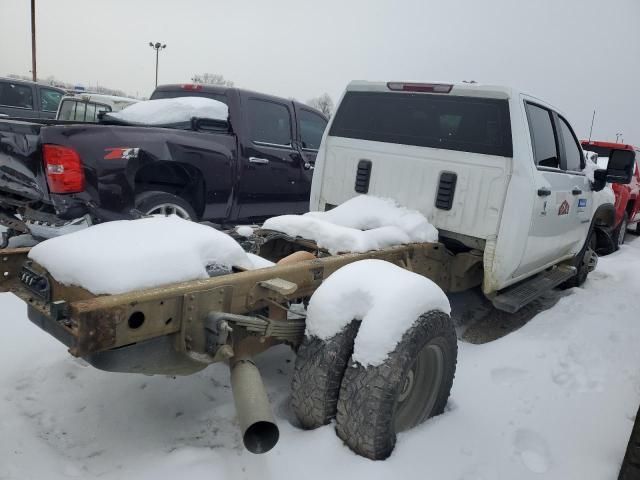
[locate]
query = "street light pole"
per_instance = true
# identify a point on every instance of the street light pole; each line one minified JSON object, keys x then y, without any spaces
{"x":33,"y":40}
{"x":157,"y":47}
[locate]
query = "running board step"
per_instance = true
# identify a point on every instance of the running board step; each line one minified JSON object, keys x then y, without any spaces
{"x":514,"y":298}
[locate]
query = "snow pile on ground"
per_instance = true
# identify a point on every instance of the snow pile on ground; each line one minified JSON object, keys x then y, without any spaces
{"x":554,"y":400}
{"x":360,"y":224}
{"x":166,"y":111}
{"x":127,"y":255}
{"x":388,"y":299}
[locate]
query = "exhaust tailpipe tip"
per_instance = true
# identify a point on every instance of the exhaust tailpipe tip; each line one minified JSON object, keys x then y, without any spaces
{"x":259,"y":430}
{"x":260,"y":437}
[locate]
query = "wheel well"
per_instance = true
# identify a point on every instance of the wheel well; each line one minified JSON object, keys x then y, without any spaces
{"x":605,"y":216}
{"x":178,"y":179}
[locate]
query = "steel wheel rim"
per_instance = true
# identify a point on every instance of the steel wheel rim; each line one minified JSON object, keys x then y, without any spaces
{"x":420,"y":388}
{"x":166,"y":209}
{"x":591,"y":260}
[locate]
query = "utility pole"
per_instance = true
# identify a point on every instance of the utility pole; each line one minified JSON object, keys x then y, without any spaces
{"x":33,"y":40}
{"x":157,"y":47}
{"x":592,"y":120}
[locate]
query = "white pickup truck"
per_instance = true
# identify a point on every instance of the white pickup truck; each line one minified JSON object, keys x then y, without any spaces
{"x":492,"y":168}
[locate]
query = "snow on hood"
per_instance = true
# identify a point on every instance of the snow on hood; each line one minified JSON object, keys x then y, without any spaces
{"x":388,"y":299}
{"x":166,"y":111}
{"x":360,"y":224}
{"x":127,"y":255}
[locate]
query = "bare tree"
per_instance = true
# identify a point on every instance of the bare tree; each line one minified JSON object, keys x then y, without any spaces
{"x":212,"y":79}
{"x":322,"y":103}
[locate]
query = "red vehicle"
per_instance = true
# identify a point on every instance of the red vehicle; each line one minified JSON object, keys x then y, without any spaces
{"x":627,"y":196}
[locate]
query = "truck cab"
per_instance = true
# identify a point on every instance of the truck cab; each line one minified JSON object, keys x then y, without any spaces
{"x":493,"y":169}
{"x":24,"y":99}
{"x":627,"y":196}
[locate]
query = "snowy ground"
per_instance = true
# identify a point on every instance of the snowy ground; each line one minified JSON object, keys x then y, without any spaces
{"x":553,"y":400}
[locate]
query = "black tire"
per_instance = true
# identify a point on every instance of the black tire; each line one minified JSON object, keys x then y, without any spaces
{"x":152,"y":202}
{"x":317,"y":376}
{"x":371,"y":406}
{"x":620,"y":231}
{"x":584,"y":263}
{"x":630,"y":469}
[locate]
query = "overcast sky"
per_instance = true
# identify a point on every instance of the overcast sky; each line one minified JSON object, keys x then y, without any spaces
{"x":579,"y":55}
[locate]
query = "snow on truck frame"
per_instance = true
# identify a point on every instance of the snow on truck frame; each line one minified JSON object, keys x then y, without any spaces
{"x":499,"y":228}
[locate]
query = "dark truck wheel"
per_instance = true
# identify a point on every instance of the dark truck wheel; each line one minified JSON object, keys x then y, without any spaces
{"x":585,"y":263}
{"x":317,"y":376}
{"x":411,"y":385}
{"x":630,"y":469}
{"x":163,"y":203}
{"x":620,"y":232}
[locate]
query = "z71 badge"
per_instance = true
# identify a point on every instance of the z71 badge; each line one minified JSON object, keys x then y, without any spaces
{"x":121,"y":153}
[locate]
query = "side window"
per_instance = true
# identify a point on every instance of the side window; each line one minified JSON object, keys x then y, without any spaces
{"x":311,"y":129}
{"x":15,"y":95}
{"x":574,"y":162}
{"x":67,"y":110}
{"x":269,"y":122}
{"x":49,"y":99}
{"x":90,"y":114}
{"x":545,"y":150}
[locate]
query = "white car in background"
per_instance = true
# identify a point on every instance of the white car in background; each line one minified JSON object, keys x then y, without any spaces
{"x":85,"y":107}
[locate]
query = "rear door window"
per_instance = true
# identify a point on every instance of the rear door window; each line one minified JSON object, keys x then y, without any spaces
{"x":574,"y":161}
{"x":312,"y":127}
{"x":545,"y":148}
{"x":16,"y":95}
{"x":468,"y":124}
{"x":269,"y":122}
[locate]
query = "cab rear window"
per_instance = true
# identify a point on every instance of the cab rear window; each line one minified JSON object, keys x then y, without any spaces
{"x":467,"y":124}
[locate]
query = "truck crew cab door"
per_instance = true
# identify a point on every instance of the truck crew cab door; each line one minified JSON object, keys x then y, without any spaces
{"x":270,"y":164}
{"x":563,"y":199}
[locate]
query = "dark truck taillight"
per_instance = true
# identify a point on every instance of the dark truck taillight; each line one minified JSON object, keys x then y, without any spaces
{"x":64,"y":169}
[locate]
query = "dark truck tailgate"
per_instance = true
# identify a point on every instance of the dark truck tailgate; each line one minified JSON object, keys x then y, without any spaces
{"x":22,"y":179}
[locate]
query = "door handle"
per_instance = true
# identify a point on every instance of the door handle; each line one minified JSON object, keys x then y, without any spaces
{"x":261,"y":161}
{"x":576,"y":191}
{"x":544,"y":192}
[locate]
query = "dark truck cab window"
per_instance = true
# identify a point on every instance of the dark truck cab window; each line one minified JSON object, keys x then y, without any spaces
{"x":467,"y":124}
{"x":16,"y":95}
{"x":311,"y":129}
{"x":269,"y":122}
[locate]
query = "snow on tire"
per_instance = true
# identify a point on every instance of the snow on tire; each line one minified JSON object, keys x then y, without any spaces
{"x":411,"y":385}
{"x":317,"y":375}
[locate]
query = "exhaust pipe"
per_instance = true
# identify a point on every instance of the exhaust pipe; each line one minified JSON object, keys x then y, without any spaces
{"x":259,"y":430}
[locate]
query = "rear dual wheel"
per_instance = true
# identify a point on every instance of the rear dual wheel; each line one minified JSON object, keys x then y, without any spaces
{"x":372,"y":404}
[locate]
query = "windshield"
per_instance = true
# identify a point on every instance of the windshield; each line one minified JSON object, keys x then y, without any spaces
{"x":468,"y":124}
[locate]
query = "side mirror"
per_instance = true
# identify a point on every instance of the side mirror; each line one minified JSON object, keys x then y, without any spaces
{"x":620,"y":166}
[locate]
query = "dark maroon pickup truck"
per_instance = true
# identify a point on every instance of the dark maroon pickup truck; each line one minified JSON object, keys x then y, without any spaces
{"x":55,"y":175}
